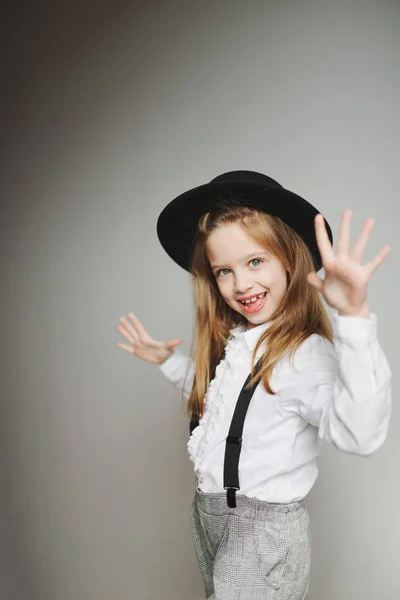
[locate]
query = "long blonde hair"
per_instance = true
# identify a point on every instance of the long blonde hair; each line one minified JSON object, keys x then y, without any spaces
{"x":300,"y":314}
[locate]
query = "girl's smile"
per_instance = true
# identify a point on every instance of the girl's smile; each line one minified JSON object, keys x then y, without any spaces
{"x":256,"y":303}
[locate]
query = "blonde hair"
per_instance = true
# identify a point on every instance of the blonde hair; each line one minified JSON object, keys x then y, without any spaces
{"x":300,"y":314}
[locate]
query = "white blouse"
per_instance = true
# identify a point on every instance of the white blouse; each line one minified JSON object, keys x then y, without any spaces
{"x":340,"y":393}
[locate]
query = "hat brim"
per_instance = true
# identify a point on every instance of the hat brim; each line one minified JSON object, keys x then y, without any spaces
{"x":177,"y":223}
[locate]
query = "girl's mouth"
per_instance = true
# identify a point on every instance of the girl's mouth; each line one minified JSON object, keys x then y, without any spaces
{"x":254,"y":305}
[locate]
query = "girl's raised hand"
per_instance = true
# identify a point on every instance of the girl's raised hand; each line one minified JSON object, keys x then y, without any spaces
{"x":142,"y":345}
{"x":346,"y":279}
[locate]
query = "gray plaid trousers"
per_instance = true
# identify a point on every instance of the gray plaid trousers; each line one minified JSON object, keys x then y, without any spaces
{"x":256,"y":551}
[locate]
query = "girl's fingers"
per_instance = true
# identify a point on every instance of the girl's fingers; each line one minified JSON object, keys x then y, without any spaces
{"x":315,"y":281}
{"x":375,"y":263}
{"x":126,"y":333}
{"x":138,"y":326}
{"x":323,"y":241}
{"x":129,"y":328}
{"x":344,"y":233}
{"x":362,"y":241}
{"x":126,"y":348}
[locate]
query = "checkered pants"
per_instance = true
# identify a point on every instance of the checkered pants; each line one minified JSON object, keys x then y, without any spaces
{"x":256,"y":551}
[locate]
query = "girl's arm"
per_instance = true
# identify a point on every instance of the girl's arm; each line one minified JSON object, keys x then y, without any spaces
{"x":180,"y":370}
{"x":343,"y":390}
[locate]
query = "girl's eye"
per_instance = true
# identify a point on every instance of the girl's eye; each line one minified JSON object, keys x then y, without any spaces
{"x":220,"y":271}
{"x":259,"y":260}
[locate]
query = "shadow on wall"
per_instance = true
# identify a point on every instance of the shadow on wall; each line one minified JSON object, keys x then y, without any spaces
{"x":35,"y":39}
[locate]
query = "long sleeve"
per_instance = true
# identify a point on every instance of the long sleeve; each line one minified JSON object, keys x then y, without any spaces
{"x":344,"y":389}
{"x":180,"y":370}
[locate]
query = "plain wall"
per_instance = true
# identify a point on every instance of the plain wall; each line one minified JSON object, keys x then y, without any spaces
{"x":108,"y":111}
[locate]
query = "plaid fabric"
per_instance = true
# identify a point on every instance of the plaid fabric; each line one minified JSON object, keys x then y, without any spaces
{"x":256,"y":551}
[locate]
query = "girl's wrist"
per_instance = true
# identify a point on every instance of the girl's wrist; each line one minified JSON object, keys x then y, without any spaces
{"x":163,"y":360}
{"x":361,"y":312}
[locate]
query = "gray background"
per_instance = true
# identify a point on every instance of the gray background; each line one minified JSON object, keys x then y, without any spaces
{"x":109,"y":110}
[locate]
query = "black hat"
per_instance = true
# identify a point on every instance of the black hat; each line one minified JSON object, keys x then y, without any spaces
{"x":177,"y":223}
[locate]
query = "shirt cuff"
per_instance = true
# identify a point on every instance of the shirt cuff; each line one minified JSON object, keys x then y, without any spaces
{"x":347,"y":328}
{"x":172,"y":363}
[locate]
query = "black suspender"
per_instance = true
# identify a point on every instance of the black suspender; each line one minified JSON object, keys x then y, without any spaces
{"x":234,"y":441}
{"x":233,"y":445}
{"x":193,"y":424}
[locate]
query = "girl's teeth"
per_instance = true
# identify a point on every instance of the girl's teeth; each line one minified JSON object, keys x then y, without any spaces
{"x":254,"y":299}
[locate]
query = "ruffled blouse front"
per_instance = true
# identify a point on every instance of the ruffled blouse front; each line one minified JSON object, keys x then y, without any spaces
{"x":236,"y":352}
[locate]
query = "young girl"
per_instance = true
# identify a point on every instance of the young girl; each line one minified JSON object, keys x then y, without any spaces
{"x":270,"y":376}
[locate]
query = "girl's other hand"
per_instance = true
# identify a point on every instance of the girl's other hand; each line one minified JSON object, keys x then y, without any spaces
{"x":346,"y":277}
{"x":142,"y":344}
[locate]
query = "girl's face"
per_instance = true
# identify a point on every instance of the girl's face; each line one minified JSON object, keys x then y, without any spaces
{"x":242,"y":270}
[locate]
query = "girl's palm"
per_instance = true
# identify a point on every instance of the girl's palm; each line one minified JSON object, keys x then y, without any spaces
{"x":142,"y":344}
{"x":346,"y":278}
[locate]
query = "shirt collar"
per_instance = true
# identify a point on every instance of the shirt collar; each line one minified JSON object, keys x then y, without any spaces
{"x":250,"y":336}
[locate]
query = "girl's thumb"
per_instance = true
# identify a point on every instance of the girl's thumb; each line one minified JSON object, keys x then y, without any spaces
{"x":174,"y":343}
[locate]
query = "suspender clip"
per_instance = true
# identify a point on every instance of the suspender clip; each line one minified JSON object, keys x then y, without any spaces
{"x":231,"y":497}
{"x":233,"y":439}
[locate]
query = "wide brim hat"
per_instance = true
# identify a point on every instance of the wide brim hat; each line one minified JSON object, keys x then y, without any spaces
{"x":177,"y":223}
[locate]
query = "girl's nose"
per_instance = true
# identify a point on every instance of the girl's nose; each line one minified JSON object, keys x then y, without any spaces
{"x":242,"y":285}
